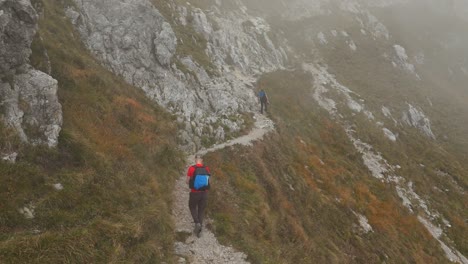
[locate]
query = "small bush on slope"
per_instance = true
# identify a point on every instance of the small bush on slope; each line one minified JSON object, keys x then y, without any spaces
{"x":117,"y":161}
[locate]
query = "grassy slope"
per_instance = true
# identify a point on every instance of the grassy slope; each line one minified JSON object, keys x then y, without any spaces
{"x":116,"y":159}
{"x":366,"y":72}
{"x":381,"y":84}
{"x":429,"y":33}
{"x":280,"y":204}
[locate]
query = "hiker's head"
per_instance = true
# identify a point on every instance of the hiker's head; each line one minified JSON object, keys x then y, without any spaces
{"x":198,"y":159}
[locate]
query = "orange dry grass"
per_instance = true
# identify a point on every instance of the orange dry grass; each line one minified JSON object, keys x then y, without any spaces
{"x":104,"y":136}
{"x":386,"y":216}
{"x":346,"y":196}
{"x":79,"y":73}
{"x":134,"y":107}
{"x":125,"y":101}
{"x":297,"y":231}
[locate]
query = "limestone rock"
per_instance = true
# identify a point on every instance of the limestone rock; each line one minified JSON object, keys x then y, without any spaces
{"x":243,"y":42}
{"x":28,"y":96}
{"x":27,"y":211}
{"x":135,"y":41}
{"x":166,"y":43}
{"x":58,"y":186}
{"x":72,"y":15}
{"x":201,"y":24}
{"x":415,"y":117}
{"x":17,"y":29}
{"x":32,"y":108}
{"x":9,"y":157}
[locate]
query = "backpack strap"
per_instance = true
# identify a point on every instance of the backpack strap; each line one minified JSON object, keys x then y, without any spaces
{"x":198,"y":168}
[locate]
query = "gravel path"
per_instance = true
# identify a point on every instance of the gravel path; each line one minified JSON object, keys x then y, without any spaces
{"x":207,"y":249}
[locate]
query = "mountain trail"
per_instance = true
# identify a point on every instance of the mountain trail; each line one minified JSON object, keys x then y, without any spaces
{"x":207,"y":249}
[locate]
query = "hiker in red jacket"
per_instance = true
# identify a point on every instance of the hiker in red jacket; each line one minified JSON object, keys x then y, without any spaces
{"x":198,"y":181}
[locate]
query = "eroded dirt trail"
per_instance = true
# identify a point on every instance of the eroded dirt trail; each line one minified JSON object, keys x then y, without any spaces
{"x":207,"y":249}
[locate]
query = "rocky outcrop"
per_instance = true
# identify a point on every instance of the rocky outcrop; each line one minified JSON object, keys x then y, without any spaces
{"x":17,"y":28}
{"x":402,"y":61}
{"x":416,"y":118}
{"x":242,"y":42}
{"x":135,"y":41}
{"x":32,"y":108}
{"x":28,"y":97}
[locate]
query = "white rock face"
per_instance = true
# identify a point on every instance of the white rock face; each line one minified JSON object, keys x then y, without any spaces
{"x":386,"y":112}
{"x":135,"y":41}
{"x":389,"y":134}
{"x":165,"y":43}
{"x":243,"y":42}
{"x":9,"y":157}
{"x":364,"y":223}
{"x":201,"y":24}
{"x":27,"y":212}
{"x":58,"y":186}
{"x":18,"y":24}
{"x":372,"y":25}
{"x":28,"y":97}
{"x":355,"y":106}
{"x":32,"y":104}
{"x":322,"y":80}
{"x":352,"y":45}
{"x":322,"y":39}
{"x":402,"y":60}
{"x":416,"y":118}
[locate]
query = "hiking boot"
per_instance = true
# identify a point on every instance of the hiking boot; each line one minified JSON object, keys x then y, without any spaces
{"x":197,"y":229}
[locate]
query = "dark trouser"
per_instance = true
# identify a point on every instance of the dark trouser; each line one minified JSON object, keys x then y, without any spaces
{"x":197,"y":205}
{"x":263,"y":103}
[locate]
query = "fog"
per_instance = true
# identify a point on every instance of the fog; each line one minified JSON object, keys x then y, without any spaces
{"x":433,"y":33}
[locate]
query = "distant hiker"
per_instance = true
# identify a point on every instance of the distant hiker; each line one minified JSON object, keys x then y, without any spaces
{"x":198,"y":177}
{"x":262,"y":96}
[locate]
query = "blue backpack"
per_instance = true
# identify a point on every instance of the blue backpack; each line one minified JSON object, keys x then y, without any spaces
{"x":200,"y":180}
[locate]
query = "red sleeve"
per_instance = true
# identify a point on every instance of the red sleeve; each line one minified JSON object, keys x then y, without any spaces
{"x":190,"y":171}
{"x":207,"y":169}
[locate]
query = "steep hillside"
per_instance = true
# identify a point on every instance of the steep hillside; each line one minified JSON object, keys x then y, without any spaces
{"x":367,"y":162}
{"x":380,"y":75}
{"x":101,"y":195}
{"x":199,"y":66}
{"x":304,"y":195}
{"x":400,"y":107}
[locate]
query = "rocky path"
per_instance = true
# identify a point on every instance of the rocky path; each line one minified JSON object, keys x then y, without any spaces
{"x":207,"y":249}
